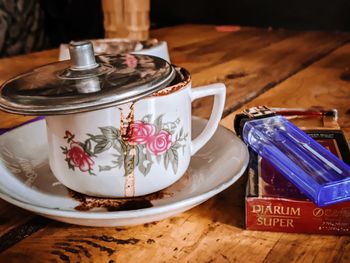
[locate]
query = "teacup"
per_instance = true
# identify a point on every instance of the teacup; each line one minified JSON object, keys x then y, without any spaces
{"x":117,"y":125}
{"x":132,"y":149}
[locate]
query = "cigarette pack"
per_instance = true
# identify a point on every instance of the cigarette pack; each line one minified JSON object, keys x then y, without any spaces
{"x":274,"y":204}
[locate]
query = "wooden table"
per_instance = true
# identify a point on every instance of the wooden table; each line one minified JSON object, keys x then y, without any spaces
{"x":259,"y":66}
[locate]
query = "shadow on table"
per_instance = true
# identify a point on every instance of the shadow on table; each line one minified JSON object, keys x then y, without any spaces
{"x":226,"y":207}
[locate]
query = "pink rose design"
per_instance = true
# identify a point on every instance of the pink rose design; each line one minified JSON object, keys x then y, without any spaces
{"x":160,"y":143}
{"x":79,"y":158}
{"x":130,"y":61}
{"x":140,"y":133}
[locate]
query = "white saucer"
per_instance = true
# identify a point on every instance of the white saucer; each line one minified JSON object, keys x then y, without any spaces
{"x":26,"y":180}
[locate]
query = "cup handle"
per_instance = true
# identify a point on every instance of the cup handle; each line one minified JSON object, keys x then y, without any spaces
{"x":218,"y":90}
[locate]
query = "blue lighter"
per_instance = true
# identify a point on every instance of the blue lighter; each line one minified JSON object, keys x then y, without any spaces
{"x":314,"y":170}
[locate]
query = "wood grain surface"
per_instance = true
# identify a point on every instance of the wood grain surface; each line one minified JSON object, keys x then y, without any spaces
{"x":325,"y":83}
{"x":249,"y":61}
{"x":274,"y":68}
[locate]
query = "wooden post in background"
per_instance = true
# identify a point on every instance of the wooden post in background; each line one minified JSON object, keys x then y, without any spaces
{"x":113,"y":18}
{"x":136,"y":18}
{"x":126,"y":18}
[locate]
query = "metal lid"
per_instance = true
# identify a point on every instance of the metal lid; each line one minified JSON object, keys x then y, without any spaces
{"x":85,"y":82}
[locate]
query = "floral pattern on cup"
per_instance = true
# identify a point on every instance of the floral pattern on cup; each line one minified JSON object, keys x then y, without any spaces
{"x":140,"y":132}
{"x":76,"y":156}
{"x":146,"y":142}
{"x":159,"y":143}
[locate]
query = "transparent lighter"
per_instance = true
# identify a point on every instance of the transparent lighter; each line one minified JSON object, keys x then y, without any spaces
{"x":314,"y":170}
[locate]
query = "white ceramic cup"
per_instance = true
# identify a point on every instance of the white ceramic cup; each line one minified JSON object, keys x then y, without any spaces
{"x":133,"y":149}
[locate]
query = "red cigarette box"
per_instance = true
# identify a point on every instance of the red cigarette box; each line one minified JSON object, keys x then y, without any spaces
{"x":274,"y":204}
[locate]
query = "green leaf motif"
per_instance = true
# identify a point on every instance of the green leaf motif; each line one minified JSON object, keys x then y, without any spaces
{"x":172,"y":157}
{"x":174,"y":160}
{"x":119,"y":160}
{"x":88,"y":148}
{"x":159,"y":123}
{"x":144,"y":162}
{"x":117,"y":145}
{"x":138,"y":148}
{"x":102,"y":146}
{"x":91,"y":172}
{"x":110,"y":133}
{"x":102,"y":168}
{"x":97,"y":138}
{"x":185,"y":136}
{"x":167,"y":159}
{"x":64,"y":150}
{"x":87,"y":145}
{"x":147,"y":118}
{"x":176,"y":145}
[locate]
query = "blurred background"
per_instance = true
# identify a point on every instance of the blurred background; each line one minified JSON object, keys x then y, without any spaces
{"x":31,"y":25}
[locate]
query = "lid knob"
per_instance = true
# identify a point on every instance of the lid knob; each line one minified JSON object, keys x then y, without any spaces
{"x":82,"y":55}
